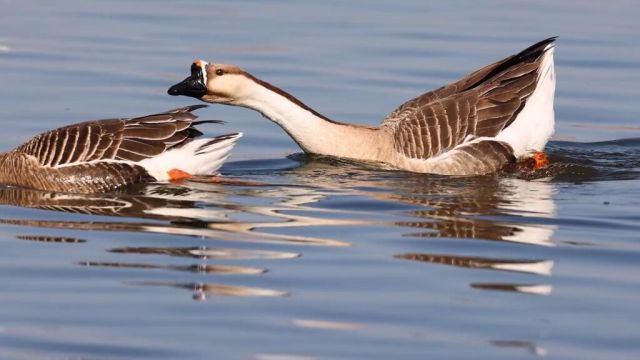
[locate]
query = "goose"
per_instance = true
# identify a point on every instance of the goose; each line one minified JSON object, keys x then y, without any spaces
{"x":477,"y":125}
{"x":102,"y":155}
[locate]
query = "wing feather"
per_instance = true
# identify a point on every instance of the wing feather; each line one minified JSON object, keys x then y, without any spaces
{"x":475,"y":158}
{"x":481,"y":104}
{"x":131,"y":139}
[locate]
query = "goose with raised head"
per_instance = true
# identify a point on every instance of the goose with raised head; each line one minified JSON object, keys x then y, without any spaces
{"x":102,"y":155}
{"x":490,"y":118}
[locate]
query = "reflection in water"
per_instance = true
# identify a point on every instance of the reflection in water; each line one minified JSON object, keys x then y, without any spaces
{"x":488,"y":208}
{"x":209,"y":253}
{"x":202,"y":290}
{"x":538,"y":267}
{"x":199,"y":268}
{"x":470,"y":211}
{"x":533,"y":289}
{"x":327,"y":325}
{"x":282,"y":357}
{"x":529,"y":346}
{"x":51,"y":239}
{"x":182,"y":206}
{"x":192,"y":229}
{"x":93,"y":204}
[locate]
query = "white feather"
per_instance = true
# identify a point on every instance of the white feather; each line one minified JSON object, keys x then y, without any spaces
{"x":203,"y":70}
{"x":535,"y":123}
{"x":198,"y":157}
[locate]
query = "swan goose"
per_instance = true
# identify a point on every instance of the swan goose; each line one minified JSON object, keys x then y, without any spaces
{"x":490,"y":118}
{"x":102,"y":155}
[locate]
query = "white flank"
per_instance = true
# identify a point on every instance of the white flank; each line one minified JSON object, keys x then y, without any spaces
{"x":534,"y":125}
{"x":198,"y":157}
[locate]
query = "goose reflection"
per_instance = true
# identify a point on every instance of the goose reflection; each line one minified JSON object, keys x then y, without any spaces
{"x":201,"y":291}
{"x":489,"y":207}
{"x":199,"y":268}
{"x":208,"y":253}
{"x":534,"y":289}
{"x":539,"y":267}
{"x":181,"y":211}
{"x":531,"y":347}
{"x":495,"y":208}
{"x":190,"y":211}
{"x":51,"y":239}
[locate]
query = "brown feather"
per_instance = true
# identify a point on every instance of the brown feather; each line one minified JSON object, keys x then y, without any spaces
{"x":156,"y":131}
{"x":80,"y":147}
{"x":483,"y":103}
{"x":145,"y":148}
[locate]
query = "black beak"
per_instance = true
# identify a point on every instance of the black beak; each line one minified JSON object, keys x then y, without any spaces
{"x":192,"y":86}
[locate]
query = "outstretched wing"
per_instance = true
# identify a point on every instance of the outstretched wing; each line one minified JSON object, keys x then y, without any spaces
{"x":129,"y":140}
{"x":481,"y":104}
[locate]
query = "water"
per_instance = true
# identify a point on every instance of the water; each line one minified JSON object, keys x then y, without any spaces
{"x":330,"y":260}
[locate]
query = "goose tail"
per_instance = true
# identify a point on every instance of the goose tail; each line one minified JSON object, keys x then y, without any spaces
{"x":198,"y":157}
{"x":534,"y":125}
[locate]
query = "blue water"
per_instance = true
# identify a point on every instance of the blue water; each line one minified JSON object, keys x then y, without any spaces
{"x":329,"y":259}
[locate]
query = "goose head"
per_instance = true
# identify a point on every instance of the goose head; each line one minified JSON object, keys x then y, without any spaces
{"x":215,"y":83}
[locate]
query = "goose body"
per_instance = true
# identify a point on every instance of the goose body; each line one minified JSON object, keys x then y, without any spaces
{"x":102,"y":155}
{"x":476,"y":125}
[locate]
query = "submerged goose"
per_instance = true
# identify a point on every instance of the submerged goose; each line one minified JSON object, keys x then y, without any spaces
{"x":102,"y":155}
{"x":476,"y":125}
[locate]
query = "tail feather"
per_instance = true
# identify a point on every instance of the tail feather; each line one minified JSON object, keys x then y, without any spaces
{"x":200,"y":122}
{"x":216,"y":143}
{"x":528,"y":55}
{"x":198,"y":157}
{"x":512,"y":83}
{"x":534,"y":124}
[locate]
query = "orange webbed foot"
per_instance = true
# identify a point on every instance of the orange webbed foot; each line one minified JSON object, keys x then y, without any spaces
{"x":541,"y":160}
{"x":177,"y":175}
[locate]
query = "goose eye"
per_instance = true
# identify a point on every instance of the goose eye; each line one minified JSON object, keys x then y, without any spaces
{"x":219,"y":72}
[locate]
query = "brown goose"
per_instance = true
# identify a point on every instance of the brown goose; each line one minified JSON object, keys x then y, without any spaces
{"x":102,"y":155}
{"x":476,"y":125}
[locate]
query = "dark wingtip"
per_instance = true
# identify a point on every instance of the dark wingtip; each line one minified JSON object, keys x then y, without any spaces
{"x":184,"y":109}
{"x":191,"y":108}
{"x":209,"y":122}
{"x":540,"y":46}
{"x":531,"y":53}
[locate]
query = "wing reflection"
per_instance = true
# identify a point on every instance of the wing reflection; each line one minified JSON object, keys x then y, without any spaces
{"x":182,"y":211}
{"x":209,"y":253}
{"x":51,"y":239}
{"x":486,"y":207}
{"x":527,"y":345}
{"x":202,"y":290}
{"x":196,"y":268}
{"x":190,"y":212}
{"x":533,"y":289}
{"x":495,"y":208}
{"x":93,"y":204}
{"x":538,"y":267}
{"x":326,"y":324}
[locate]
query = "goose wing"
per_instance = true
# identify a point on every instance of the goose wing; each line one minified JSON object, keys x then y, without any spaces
{"x":125,"y":140}
{"x":482,"y":103}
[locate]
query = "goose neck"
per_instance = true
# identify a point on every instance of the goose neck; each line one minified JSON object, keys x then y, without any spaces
{"x":313,"y":132}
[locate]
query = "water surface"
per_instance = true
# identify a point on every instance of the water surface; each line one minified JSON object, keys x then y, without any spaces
{"x":327,"y":259}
